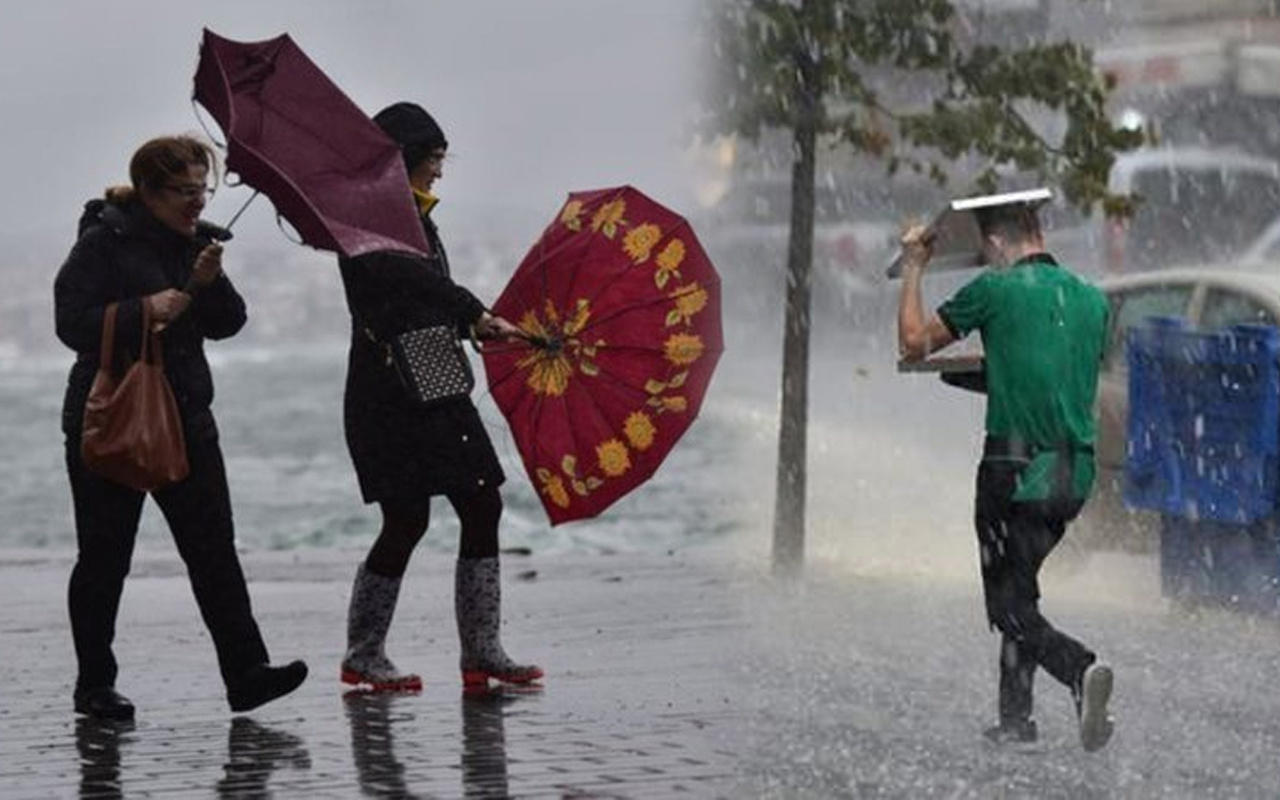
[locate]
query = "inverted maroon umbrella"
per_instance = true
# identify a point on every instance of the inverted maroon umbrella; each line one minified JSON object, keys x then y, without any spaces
{"x":621,"y":309}
{"x":294,"y":136}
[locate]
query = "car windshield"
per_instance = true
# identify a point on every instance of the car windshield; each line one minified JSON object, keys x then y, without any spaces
{"x":1133,"y":306}
{"x":1223,"y":308}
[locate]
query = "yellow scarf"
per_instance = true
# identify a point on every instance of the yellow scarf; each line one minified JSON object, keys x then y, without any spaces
{"x":426,"y":201}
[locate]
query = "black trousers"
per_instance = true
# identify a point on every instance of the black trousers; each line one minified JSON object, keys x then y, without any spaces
{"x":1014,"y":538}
{"x":198,"y":511}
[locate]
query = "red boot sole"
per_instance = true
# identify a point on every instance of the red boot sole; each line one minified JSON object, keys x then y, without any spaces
{"x":474,"y":678}
{"x":409,"y":683}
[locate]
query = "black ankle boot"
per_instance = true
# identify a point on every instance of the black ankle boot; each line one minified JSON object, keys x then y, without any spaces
{"x":264,"y":683}
{"x":103,"y":703}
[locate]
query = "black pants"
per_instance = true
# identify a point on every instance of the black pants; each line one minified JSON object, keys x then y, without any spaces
{"x":198,"y":511}
{"x":1014,"y":538}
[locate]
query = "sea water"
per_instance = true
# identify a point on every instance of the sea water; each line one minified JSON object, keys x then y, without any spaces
{"x":279,"y":411}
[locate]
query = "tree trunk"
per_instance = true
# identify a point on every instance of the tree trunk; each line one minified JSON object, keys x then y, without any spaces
{"x":789,"y":507}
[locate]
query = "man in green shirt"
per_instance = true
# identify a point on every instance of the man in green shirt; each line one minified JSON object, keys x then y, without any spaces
{"x":1043,"y":331}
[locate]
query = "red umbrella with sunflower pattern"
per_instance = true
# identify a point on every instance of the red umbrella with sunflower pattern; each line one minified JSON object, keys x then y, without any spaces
{"x":622,"y":310}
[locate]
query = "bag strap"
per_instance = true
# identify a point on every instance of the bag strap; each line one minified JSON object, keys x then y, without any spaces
{"x":151,"y":352}
{"x":151,"y":347}
{"x":387,"y":358}
{"x":144,"y":356}
{"x":157,"y":355}
{"x":108,"y":337}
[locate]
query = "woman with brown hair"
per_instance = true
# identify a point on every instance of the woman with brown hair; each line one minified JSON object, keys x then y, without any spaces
{"x":405,"y":453}
{"x":144,"y":245}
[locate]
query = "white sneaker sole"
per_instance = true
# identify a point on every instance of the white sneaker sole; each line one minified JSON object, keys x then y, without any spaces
{"x":1095,"y":723}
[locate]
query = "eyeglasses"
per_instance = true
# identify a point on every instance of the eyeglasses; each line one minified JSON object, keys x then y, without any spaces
{"x":190,"y":191}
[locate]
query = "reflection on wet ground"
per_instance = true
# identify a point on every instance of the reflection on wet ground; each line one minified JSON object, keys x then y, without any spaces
{"x":484,"y":745}
{"x":374,"y":717}
{"x":98,"y":745}
{"x":254,"y":752}
{"x":641,"y":705}
{"x":380,"y":773}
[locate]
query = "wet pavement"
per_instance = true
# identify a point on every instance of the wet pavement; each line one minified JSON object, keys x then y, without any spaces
{"x":639,"y":699}
{"x":684,"y":675}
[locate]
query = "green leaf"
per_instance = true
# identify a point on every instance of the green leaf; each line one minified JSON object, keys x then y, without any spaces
{"x":837,"y":68}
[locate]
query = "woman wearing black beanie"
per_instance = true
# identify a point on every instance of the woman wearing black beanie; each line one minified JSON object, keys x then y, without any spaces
{"x":405,"y":453}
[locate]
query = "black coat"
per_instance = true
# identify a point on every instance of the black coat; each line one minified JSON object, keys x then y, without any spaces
{"x":401,"y":449}
{"x":123,"y":253}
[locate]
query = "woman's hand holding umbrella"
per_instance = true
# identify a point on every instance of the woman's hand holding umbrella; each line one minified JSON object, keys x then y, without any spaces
{"x":168,"y":305}
{"x":207,"y":269}
{"x":494,"y":328}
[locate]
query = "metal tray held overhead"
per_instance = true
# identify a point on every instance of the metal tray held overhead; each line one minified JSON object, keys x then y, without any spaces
{"x":957,"y":242}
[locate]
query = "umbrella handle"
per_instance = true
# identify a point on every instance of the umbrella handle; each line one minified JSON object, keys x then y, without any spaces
{"x":526,"y":340}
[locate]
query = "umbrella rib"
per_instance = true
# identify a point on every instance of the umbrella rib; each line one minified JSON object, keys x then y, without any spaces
{"x":619,"y":381}
{"x":583,"y":245}
{"x":596,"y":234}
{"x":503,"y":378}
{"x":596,"y":322}
{"x":600,"y":421}
{"x":604,"y":287}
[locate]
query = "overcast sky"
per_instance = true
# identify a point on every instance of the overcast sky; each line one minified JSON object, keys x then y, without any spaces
{"x":537,"y":97}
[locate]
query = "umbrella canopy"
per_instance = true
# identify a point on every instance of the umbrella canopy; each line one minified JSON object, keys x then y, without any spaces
{"x":622,"y":309}
{"x":294,"y":136}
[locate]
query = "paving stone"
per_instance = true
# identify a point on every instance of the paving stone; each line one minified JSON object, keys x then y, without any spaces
{"x":591,"y":731}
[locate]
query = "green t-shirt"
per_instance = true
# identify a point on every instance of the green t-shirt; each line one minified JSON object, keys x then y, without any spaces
{"x":1043,"y":330}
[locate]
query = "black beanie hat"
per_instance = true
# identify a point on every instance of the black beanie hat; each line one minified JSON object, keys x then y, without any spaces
{"x":411,"y":127}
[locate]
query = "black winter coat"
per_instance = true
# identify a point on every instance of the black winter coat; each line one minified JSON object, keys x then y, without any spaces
{"x":401,"y":449}
{"x":123,"y":253}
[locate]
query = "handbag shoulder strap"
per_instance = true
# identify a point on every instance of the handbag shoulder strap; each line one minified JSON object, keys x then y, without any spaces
{"x":151,"y":353}
{"x":108,"y":337}
{"x":150,"y":341}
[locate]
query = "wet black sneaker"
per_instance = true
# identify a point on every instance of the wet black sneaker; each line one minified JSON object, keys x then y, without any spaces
{"x":1019,"y":731}
{"x":1096,"y":725}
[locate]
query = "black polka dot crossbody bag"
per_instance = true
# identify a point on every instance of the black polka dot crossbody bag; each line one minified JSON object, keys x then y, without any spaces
{"x":430,"y":363}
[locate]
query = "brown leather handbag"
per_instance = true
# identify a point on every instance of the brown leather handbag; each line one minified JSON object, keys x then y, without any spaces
{"x":132,"y":429}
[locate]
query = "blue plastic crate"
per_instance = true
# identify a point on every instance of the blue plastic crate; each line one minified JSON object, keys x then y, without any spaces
{"x":1204,"y":421}
{"x":1151,"y":478}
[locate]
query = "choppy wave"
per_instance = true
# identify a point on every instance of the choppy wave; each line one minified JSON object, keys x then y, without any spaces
{"x":280,"y":415}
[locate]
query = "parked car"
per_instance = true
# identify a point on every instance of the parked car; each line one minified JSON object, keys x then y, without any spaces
{"x":1198,"y":206}
{"x":1207,"y":298}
